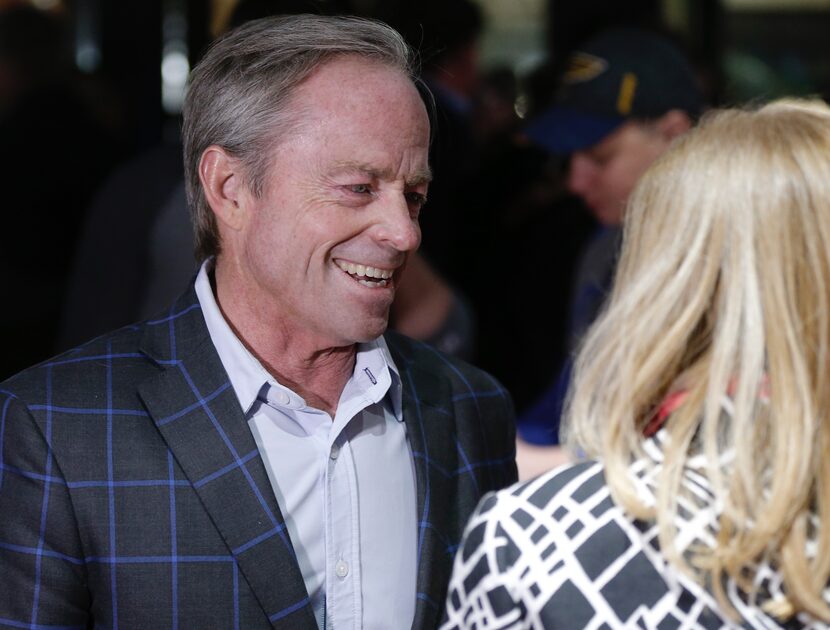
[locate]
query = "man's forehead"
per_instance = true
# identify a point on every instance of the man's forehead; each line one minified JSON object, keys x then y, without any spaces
{"x":340,"y":70}
{"x":349,"y":87}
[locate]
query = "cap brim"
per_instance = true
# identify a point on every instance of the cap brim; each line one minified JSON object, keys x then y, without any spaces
{"x":563,"y":130}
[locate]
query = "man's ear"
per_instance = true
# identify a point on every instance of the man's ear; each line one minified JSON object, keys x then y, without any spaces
{"x":673,"y":123}
{"x":222,"y":182}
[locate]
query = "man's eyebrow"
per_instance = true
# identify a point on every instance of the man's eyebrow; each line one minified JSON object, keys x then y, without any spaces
{"x":419,"y":177}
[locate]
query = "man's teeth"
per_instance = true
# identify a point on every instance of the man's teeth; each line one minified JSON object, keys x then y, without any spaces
{"x":366,"y":272}
{"x":375,"y":284}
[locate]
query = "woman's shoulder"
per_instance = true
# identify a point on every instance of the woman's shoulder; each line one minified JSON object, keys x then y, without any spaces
{"x":557,"y":552}
{"x":556,"y":549}
{"x":563,"y":486}
{"x":538,"y":521}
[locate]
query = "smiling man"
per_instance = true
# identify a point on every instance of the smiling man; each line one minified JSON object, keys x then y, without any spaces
{"x":262,"y":454}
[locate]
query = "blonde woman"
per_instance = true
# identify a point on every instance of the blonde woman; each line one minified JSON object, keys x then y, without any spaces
{"x":702,"y":395}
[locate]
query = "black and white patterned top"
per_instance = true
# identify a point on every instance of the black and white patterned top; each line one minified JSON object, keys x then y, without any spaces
{"x":557,"y":552}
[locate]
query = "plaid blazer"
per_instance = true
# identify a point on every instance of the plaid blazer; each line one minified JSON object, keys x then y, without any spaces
{"x":132,"y":493}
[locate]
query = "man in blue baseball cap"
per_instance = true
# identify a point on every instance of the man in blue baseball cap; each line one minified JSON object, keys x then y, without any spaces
{"x":624,"y":96}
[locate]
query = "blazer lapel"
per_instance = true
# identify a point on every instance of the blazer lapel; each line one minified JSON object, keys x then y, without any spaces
{"x":429,"y":423}
{"x":198,"y":414}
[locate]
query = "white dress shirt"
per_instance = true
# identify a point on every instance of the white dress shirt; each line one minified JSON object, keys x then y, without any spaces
{"x":345,"y":486}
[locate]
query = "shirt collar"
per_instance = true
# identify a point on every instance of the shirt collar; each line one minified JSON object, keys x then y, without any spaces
{"x":247,"y":375}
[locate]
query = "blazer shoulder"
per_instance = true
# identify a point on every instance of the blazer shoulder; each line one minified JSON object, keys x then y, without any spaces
{"x":132,"y":351}
{"x":78,"y":368}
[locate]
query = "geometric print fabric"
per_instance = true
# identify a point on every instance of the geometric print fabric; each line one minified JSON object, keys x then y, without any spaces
{"x":556,"y":552}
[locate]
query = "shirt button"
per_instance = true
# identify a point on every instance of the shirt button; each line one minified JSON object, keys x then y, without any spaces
{"x":282,"y":397}
{"x":341,"y":569}
{"x":335,"y":451}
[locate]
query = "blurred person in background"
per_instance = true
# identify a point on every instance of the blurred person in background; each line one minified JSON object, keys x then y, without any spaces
{"x":702,"y":394}
{"x":625,"y":96}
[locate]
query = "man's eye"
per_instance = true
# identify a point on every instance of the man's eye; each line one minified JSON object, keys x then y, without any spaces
{"x":360,"y":189}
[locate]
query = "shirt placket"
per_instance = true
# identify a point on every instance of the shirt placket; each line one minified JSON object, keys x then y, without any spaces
{"x":343,"y":585}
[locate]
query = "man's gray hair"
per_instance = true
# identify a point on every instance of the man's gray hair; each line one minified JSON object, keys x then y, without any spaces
{"x":240,"y":93}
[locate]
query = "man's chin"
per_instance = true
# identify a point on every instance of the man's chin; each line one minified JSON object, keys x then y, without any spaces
{"x":363,"y":332}
{"x":370,"y":333}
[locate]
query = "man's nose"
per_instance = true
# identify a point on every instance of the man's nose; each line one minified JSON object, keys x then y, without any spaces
{"x":580,"y":173}
{"x":398,"y":226}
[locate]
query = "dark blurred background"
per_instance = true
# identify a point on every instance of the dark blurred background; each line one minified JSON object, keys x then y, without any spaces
{"x":90,"y":95}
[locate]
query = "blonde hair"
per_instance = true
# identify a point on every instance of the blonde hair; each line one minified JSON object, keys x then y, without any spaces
{"x":723,"y":290}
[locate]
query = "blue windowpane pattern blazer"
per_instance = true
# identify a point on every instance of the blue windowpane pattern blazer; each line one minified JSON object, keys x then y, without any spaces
{"x":132,"y":494}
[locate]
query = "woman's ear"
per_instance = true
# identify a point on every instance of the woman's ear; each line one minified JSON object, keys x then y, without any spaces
{"x":222,"y":182}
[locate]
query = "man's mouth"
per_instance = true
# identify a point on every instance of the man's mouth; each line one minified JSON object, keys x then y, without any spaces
{"x":364,"y":274}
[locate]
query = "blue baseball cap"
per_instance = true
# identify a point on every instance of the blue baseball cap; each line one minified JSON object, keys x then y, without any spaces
{"x":621,"y":74}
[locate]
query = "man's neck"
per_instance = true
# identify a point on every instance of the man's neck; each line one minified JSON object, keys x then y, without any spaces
{"x":295,"y":358}
{"x":319,"y":378}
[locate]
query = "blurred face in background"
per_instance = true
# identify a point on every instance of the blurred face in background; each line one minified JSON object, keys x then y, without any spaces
{"x":604,"y":174}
